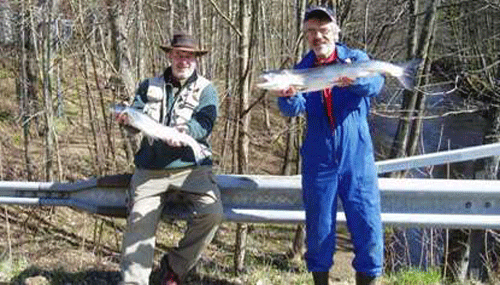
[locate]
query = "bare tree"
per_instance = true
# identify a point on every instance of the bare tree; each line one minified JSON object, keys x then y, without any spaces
{"x":122,"y":59}
{"x":229,"y":97}
{"x":265,"y":51}
{"x":291,"y":152}
{"x":122,"y":62}
{"x":295,"y":140}
{"x":48,"y":10}
{"x":7,"y":23}
{"x":26,"y":80}
{"x":473,"y":252}
{"x":409,"y":128}
{"x":140,"y":66}
{"x":245,"y":18}
{"x":201,"y":33}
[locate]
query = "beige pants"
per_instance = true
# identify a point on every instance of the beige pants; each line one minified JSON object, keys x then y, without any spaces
{"x":150,"y":191}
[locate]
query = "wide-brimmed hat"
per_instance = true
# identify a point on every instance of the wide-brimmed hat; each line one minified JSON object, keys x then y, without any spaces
{"x":319,"y":12}
{"x":184,"y":42}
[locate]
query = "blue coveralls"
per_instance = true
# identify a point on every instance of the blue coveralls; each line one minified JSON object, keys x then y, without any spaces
{"x":338,"y":162}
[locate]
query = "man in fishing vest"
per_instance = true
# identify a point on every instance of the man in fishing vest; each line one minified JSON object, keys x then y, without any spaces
{"x":337,"y":155}
{"x":166,"y":170}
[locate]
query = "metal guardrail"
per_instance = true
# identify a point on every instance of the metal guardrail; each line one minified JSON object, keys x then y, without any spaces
{"x":278,"y":199}
{"x":438,"y":158}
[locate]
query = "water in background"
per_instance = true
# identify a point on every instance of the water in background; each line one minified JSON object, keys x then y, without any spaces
{"x":423,"y":247}
{"x":454,"y":130}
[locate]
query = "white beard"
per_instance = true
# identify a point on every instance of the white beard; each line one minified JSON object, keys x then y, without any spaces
{"x":324,"y":50}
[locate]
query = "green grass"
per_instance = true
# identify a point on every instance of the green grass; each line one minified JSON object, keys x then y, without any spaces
{"x":6,"y":74}
{"x":5,"y":115}
{"x":413,"y":276}
{"x":11,"y":268}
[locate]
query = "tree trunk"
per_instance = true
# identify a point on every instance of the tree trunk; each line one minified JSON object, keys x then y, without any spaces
{"x":423,"y":51}
{"x":410,"y":126}
{"x":400,"y":142}
{"x":244,"y":85}
{"x":228,"y":99}
{"x":25,"y":81}
{"x":244,"y":116}
{"x":290,"y":150}
{"x":93,"y":142}
{"x":240,"y":247}
{"x":109,"y":162}
{"x":264,"y":34}
{"x":201,"y":33}
{"x":47,"y":91}
{"x":171,"y":15}
{"x":7,"y":33}
{"x":140,"y":66}
{"x":189,"y":16}
{"x":213,"y":64}
{"x":471,"y":250}
{"x":471,"y":246}
{"x":122,"y":62}
{"x":298,"y":245}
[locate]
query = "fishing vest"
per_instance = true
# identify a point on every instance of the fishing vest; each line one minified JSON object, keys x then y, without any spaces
{"x":185,"y":102}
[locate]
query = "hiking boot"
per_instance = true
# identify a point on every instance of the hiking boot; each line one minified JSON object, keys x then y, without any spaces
{"x":171,"y":279}
{"x":362,"y":279}
{"x":320,"y":278}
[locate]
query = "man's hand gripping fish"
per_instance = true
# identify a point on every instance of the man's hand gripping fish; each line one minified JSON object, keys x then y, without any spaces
{"x":149,"y":127}
{"x":319,"y":78}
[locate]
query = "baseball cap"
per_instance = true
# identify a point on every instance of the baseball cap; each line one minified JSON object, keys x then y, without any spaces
{"x":319,"y":12}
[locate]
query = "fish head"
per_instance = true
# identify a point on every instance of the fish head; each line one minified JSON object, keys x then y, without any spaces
{"x":274,"y":80}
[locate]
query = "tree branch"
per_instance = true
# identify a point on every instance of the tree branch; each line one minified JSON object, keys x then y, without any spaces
{"x":225,"y":17}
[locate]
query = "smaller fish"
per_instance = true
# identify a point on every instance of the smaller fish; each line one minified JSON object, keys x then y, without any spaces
{"x":151,"y":128}
{"x":319,"y":78}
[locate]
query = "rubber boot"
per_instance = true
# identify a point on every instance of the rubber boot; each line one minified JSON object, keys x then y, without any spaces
{"x":320,"y":278}
{"x":362,"y":279}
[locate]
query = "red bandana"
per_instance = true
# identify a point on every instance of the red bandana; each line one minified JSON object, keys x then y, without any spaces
{"x":327,"y":92}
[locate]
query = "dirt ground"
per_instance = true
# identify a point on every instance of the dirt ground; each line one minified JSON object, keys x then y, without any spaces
{"x":62,"y":246}
{"x":342,"y":272}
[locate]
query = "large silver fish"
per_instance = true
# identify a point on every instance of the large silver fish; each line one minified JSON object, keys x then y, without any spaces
{"x":154,"y":130}
{"x":319,"y":78}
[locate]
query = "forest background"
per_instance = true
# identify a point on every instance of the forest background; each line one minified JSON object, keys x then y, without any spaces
{"x":65,"y":62}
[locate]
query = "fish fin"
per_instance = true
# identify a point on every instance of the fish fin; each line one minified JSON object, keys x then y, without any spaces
{"x":410,"y":72}
{"x":334,"y":82}
{"x":299,"y":87}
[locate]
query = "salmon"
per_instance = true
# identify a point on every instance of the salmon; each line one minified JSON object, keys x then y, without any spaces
{"x":319,"y":78}
{"x":154,"y":130}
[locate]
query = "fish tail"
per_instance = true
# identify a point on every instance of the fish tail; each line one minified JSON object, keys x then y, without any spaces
{"x":410,"y":70}
{"x":117,"y":108}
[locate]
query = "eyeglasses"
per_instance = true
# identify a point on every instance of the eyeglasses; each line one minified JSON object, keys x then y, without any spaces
{"x":183,"y":55}
{"x":322,"y":31}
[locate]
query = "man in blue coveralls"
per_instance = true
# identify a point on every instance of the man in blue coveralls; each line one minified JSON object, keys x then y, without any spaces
{"x":337,"y":155}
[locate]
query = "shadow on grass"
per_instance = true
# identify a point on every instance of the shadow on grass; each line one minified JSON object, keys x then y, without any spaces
{"x":193,"y":278}
{"x":60,"y":277}
{"x":278,"y":261}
